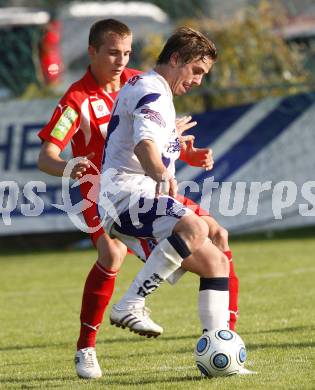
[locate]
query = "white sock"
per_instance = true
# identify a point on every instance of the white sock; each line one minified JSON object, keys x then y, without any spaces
{"x":214,"y":306}
{"x":162,"y":262}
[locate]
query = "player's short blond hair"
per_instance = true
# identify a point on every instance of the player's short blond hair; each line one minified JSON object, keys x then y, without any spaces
{"x":99,"y":28}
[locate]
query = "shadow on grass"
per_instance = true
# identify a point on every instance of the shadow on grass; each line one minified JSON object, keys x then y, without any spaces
{"x":275,"y":344}
{"x":117,"y":357}
{"x":283,"y":330}
{"x":188,"y":350}
{"x":119,"y":340}
{"x":25,"y":383}
{"x":253,"y":347}
{"x":35,"y":346}
{"x":156,"y":381}
{"x":292,"y":329}
{"x":136,"y":339}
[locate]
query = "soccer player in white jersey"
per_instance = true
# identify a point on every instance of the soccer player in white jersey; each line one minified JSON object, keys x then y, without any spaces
{"x":90,"y":100}
{"x":138,"y":186}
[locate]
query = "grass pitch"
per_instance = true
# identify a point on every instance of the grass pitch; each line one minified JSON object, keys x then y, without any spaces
{"x":39,"y":323}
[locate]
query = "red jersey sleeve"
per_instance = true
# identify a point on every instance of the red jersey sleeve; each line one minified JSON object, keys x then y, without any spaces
{"x":63,"y":124}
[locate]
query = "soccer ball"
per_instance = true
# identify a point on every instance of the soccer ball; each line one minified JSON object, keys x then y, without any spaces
{"x":220,"y":352}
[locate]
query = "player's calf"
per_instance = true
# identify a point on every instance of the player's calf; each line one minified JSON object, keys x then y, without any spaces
{"x":187,"y":242}
{"x":207,"y":261}
{"x":130,"y":312}
{"x":213,"y":268}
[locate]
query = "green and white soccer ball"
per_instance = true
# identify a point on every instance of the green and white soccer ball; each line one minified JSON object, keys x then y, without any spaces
{"x":220,"y":352}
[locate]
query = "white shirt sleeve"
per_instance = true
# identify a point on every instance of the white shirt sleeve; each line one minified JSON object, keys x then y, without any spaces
{"x":149,"y":121}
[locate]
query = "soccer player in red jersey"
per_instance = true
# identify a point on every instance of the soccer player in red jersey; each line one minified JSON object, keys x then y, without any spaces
{"x":81,"y":118}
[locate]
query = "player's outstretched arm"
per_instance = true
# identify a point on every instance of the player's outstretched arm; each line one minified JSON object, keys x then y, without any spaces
{"x":49,"y":161}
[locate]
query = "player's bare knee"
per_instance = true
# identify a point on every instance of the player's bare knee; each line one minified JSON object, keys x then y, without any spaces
{"x":193,"y":230}
{"x":216,"y":264}
{"x":221,"y":238}
{"x":111,"y":256}
{"x":199,"y":232}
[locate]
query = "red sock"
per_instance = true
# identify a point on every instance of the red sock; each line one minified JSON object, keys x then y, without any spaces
{"x":233,"y":292}
{"x":98,"y":290}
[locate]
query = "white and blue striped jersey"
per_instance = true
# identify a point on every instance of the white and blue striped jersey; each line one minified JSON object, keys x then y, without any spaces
{"x":143,"y":110}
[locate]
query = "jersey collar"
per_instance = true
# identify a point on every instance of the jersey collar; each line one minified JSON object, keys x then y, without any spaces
{"x":163,"y":81}
{"x":92,"y":86}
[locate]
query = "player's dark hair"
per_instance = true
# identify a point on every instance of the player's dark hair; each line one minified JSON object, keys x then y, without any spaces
{"x":99,"y":28}
{"x":189,"y":44}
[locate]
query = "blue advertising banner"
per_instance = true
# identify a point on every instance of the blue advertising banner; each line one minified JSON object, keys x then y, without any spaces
{"x":263,"y":176}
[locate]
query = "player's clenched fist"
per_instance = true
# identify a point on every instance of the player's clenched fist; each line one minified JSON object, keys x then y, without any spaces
{"x":81,"y":167}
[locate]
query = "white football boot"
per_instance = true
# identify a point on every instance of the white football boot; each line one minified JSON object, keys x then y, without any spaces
{"x":86,"y":363}
{"x":136,"y":319}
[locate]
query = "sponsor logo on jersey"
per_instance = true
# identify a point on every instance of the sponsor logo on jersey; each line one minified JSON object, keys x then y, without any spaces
{"x":100,"y":108}
{"x":153,"y":116}
{"x":64,"y":124}
{"x":173,"y":146}
{"x":132,"y":81}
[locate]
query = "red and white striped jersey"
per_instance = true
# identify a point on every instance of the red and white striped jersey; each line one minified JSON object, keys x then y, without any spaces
{"x":82,"y":117}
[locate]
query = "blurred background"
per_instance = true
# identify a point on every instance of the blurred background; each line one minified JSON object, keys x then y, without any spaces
{"x":256,"y":108}
{"x":266,"y":48}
